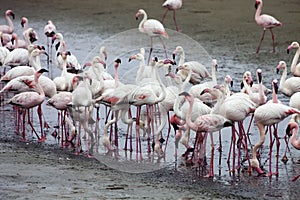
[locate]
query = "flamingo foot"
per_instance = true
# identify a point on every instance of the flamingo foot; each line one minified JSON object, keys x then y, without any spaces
{"x":54,"y":134}
{"x":284,"y":159}
{"x":42,"y":139}
{"x":88,"y":155}
{"x":260,"y":171}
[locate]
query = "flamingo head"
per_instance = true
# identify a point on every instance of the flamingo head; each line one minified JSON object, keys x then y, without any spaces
{"x":290,"y":127}
{"x":275,"y":85}
{"x":139,"y":13}
{"x":257,"y":2}
{"x":281,"y":64}
{"x":10,"y":13}
{"x":229,"y":80}
{"x":294,"y":45}
{"x":215,"y":64}
{"x":24,"y":20}
{"x":259,"y":75}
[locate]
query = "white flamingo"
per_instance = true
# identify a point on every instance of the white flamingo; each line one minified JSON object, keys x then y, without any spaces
{"x":287,"y":86}
{"x":295,"y":68}
{"x":153,"y":28}
{"x":199,"y":71}
{"x":10,"y":27}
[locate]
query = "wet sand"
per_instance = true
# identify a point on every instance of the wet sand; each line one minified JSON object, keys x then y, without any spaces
{"x":225,"y":29}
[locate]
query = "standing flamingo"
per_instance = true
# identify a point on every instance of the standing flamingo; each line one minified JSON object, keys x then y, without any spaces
{"x":153,"y":28}
{"x":28,"y":100}
{"x":267,"y":115}
{"x":10,"y":27}
{"x":295,"y":68}
{"x":172,"y":5}
{"x":266,"y":21}
{"x":208,"y":123}
{"x":49,"y":31}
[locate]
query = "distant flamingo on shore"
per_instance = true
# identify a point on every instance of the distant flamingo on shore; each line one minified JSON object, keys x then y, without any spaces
{"x":266,"y":21}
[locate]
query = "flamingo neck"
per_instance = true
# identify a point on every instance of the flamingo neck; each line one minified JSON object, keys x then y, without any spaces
{"x":213,"y":75}
{"x":141,"y":25}
{"x":283,"y":78}
{"x":10,"y":24}
{"x":162,"y":96}
{"x":293,"y":139}
{"x":140,"y":72}
{"x":116,"y":77}
{"x":295,"y":60}
{"x":35,"y":63}
{"x":258,"y":11}
{"x":182,"y":58}
{"x":188,"y":116}
{"x":186,"y":81}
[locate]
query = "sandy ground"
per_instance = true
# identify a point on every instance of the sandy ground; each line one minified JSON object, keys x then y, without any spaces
{"x":226,"y":30}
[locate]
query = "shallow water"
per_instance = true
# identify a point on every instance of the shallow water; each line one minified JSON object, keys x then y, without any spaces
{"x":224,"y":30}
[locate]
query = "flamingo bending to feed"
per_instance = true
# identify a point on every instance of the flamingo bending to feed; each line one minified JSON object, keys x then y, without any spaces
{"x":172,"y":5}
{"x":153,"y":28}
{"x":266,"y":21}
{"x":287,"y":86}
{"x":10,"y":27}
{"x":295,"y":68}
{"x":207,"y":123}
{"x":267,"y":115}
{"x":28,"y":100}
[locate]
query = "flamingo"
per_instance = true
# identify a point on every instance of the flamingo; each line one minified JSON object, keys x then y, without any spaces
{"x":267,"y":115}
{"x":28,"y":100}
{"x":266,"y":21}
{"x":71,"y":59}
{"x":64,"y":82}
{"x":153,"y":28}
{"x":205,"y":123}
{"x":292,"y":130}
{"x":295,"y":68}
{"x":199,"y":71}
{"x":287,"y":86}
{"x":49,"y":31}
{"x":172,"y":5}
{"x":25,"y":70}
{"x":26,"y":29}
{"x":3,"y":51}
{"x":18,"y":56}
{"x":5,"y":38}
{"x":10,"y":27}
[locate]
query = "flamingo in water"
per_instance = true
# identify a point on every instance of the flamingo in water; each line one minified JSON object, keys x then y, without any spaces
{"x":172,"y":5}
{"x":153,"y":28}
{"x":208,"y":123}
{"x":266,"y":21}
{"x":295,"y":68}
{"x":28,"y":100}
{"x":267,"y":115}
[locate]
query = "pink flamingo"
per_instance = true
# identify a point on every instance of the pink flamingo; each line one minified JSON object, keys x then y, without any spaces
{"x":153,"y":28}
{"x":172,"y":5}
{"x":267,"y":115}
{"x":26,"y":29}
{"x":266,"y":21}
{"x":205,"y":123}
{"x":292,"y":131}
{"x":295,"y":68}
{"x":28,"y":100}
{"x":287,"y":86}
{"x":10,"y":27}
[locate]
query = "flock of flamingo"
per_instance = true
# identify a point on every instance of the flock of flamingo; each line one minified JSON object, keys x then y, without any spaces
{"x":202,"y":109}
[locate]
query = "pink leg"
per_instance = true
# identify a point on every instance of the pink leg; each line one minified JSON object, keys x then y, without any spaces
{"x":29,"y":122}
{"x":164,"y":46}
{"x":262,"y":38}
{"x":164,"y":16}
{"x":39,"y":111}
{"x":273,"y":40}
{"x":174,"y":18}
